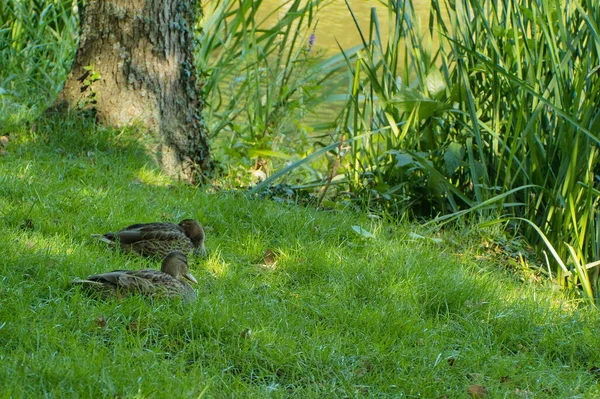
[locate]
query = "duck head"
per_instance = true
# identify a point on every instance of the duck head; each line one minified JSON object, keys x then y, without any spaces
{"x":176,"y":265}
{"x":195,"y":232}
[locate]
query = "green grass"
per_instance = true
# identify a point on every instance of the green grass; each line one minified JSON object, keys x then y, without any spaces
{"x":336,"y":315}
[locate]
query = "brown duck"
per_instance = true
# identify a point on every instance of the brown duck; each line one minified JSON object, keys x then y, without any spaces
{"x":158,"y":239}
{"x":168,"y":282}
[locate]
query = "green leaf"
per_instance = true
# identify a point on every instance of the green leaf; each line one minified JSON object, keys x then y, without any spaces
{"x":453,"y":157}
{"x":436,"y":85}
{"x":407,"y":99}
{"x":402,"y":159}
{"x":362,"y":232}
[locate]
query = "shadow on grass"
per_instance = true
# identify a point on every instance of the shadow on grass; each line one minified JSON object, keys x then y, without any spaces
{"x":75,"y":135}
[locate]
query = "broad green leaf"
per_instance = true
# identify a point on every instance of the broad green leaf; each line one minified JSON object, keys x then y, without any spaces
{"x":453,"y":157}
{"x":362,"y":232}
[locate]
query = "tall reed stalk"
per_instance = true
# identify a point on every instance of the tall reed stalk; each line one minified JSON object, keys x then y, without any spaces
{"x":263,"y":79}
{"x":501,"y":118}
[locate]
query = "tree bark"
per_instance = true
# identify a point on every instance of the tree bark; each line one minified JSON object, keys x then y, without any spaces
{"x":135,"y":65}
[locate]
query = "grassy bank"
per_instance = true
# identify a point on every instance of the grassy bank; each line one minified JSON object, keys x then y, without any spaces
{"x":330,"y":313}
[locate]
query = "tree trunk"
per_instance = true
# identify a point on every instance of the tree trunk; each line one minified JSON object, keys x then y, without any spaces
{"x":135,"y":65}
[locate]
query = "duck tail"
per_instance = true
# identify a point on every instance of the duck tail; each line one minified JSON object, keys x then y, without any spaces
{"x":84,"y":282}
{"x":103,"y":238}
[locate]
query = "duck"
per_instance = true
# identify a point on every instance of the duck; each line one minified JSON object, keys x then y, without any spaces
{"x":167,"y":282}
{"x":158,"y":239}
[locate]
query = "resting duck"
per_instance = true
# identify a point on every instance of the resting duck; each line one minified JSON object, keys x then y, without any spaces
{"x":158,"y":239}
{"x":168,"y":282}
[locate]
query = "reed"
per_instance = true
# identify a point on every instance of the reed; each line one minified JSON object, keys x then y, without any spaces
{"x":263,"y":81}
{"x":502,"y":113}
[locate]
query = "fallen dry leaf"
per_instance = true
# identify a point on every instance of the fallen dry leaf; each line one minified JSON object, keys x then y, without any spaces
{"x":4,"y":140}
{"x":270,"y":257}
{"x":270,"y":260}
{"x":246,"y":333}
{"x":477,"y":391}
{"x":100,"y":322}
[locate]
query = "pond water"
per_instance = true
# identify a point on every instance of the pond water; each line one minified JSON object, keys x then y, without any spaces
{"x":335,"y":21}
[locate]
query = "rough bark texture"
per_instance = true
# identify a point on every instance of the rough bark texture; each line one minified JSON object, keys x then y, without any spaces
{"x":135,"y":64}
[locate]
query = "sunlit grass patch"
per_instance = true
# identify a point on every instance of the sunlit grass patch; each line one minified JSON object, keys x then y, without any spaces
{"x":152,"y":177}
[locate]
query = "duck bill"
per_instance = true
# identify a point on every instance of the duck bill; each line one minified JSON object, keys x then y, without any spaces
{"x":189,"y":276}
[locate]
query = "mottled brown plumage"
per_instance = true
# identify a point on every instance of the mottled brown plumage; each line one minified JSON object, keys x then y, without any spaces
{"x":158,"y":239}
{"x":168,"y":282}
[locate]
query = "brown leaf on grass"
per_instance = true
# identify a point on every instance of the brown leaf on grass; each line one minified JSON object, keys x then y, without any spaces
{"x":2,"y":152}
{"x":270,"y":257}
{"x":477,"y":392}
{"x":100,"y":322}
{"x":246,"y":333}
{"x":4,"y":140}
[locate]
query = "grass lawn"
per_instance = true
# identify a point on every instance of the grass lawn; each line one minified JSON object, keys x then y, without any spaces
{"x":326,"y":313}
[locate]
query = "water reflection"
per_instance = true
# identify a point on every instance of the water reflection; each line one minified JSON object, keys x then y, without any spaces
{"x":335,"y":21}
